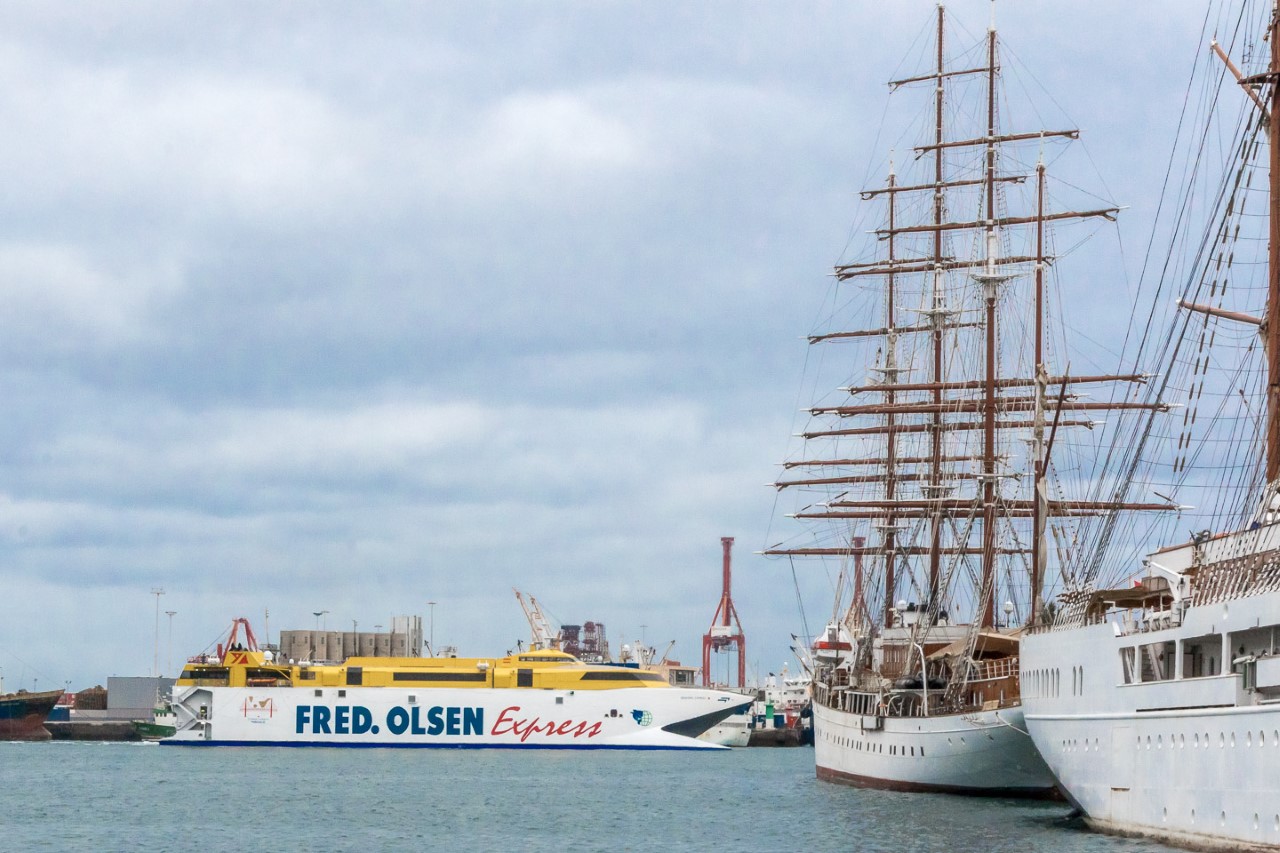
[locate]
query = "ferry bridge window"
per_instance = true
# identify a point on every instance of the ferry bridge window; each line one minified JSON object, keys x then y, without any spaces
{"x":524,"y":678}
{"x":428,"y":675}
{"x":623,"y":675}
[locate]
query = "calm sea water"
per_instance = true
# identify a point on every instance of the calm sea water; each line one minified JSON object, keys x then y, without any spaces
{"x":108,"y":797}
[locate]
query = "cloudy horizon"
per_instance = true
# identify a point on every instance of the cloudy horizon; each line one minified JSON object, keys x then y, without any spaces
{"x":316,"y":309}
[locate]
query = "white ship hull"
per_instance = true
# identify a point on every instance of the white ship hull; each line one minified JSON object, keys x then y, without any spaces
{"x":731,"y":731}
{"x":1192,"y":760}
{"x":624,"y":718}
{"x":980,"y":753}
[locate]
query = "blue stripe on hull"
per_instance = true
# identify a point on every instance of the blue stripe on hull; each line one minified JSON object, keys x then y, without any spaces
{"x":285,"y":743}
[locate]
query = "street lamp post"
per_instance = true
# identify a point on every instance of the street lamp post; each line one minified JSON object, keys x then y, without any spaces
{"x":169,"y":666}
{"x":431,"y":622}
{"x":155,"y":664}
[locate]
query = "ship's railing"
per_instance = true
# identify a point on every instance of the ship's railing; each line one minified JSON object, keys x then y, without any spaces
{"x":990,"y":670}
{"x":898,"y":703}
{"x":1251,"y":574}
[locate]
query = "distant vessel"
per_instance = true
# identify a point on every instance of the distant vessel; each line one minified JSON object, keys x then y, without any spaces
{"x":163,"y":723}
{"x":1155,"y":694}
{"x":734,"y":730}
{"x":539,"y":699}
{"x":782,"y":714}
{"x":22,"y":714}
{"x":931,"y":458}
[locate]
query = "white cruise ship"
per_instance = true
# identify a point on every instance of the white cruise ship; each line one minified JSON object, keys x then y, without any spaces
{"x":1154,"y":691}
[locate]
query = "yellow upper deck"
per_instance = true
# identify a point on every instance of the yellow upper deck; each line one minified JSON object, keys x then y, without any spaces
{"x":548,"y":670}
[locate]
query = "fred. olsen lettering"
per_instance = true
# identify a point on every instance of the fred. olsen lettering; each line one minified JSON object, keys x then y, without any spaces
{"x":358,"y":720}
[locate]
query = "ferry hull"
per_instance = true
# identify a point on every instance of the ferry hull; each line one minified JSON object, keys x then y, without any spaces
{"x":624,"y":718}
{"x":1190,"y":761}
{"x":985,"y":753}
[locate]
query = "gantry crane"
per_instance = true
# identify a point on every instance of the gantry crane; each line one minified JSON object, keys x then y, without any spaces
{"x":726,"y":629}
{"x":543,"y":636}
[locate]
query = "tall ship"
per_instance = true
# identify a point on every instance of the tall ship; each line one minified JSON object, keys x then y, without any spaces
{"x":22,"y":714}
{"x":541,"y":699}
{"x":928,"y":479}
{"x":1153,"y":691}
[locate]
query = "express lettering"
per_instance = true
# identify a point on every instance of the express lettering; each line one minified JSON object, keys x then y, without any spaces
{"x":524,"y":728}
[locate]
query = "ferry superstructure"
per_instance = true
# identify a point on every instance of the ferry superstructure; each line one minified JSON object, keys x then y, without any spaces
{"x":535,"y":700}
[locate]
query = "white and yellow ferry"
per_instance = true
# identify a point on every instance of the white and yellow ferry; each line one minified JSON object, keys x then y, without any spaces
{"x":540,"y":699}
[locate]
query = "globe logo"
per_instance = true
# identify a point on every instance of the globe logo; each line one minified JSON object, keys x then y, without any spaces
{"x":644,"y":718}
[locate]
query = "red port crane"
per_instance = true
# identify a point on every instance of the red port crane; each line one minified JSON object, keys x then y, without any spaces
{"x":726,"y":629}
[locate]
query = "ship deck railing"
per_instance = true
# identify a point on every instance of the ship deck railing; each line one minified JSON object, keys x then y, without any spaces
{"x":878,"y":704}
{"x":993,"y":670}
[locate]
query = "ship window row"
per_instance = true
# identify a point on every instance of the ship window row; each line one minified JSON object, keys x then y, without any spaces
{"x":1078,"y":745}
{"x":623,"y":675}
{"x":1044,"y":683}
{"x":419,"y":675}
{"x":1204,"y":656}
{"x":1225,"y":740}
{"x":865,"y":746}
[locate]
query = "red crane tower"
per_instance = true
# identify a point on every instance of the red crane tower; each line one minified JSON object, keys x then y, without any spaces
{"x":726,"y":628}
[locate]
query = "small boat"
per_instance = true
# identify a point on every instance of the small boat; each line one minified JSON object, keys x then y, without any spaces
{"x":540,"y":699}
{"x":734,"y":730}
{"x":163,"y":724}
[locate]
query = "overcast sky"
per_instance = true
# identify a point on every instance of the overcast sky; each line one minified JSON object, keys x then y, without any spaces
{"x":349,"y":307}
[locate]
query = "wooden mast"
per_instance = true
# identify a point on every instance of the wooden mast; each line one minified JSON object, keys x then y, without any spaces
{"x":1040,"y":497}
{"x":889,"y":533}
{"x":921,"y":418}
{"x":938,"y":317}
{"x":990,"y":284}
{"x":1273,"y":260}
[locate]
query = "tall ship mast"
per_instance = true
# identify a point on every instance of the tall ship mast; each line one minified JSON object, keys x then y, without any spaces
{"x":1154,"y":692}
{"x":930,"y":477}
